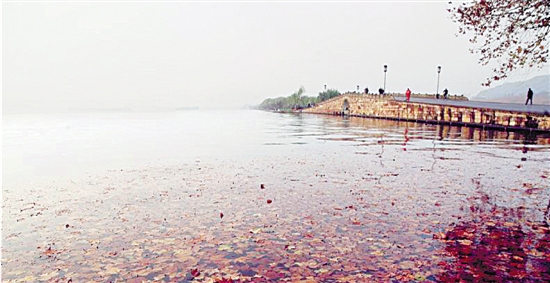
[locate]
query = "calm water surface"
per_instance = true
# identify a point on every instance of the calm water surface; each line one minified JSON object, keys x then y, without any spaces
{"x":203,"y":196}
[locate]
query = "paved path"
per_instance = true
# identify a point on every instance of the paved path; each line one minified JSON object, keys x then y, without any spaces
{"x":535,"y":108}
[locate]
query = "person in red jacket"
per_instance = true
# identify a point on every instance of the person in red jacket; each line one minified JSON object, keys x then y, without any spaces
{"x":408,"y":94}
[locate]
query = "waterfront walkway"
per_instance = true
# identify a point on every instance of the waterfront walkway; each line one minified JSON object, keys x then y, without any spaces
{"x":535,"y":108}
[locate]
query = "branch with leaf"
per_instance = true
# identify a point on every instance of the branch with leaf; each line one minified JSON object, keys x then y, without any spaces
{"x":515,"y":33}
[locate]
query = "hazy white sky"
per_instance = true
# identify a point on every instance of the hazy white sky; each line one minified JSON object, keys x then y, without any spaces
{"x":164,"y":55}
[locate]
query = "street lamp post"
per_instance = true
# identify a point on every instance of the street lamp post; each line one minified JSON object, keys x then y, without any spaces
{"x":357,"y":88}
{"x":385,"y":70}
{"x":325,"y":87}
{"x":437,"y":90}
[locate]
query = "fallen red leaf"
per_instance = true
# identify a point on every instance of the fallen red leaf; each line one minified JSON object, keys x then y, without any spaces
{"x":224,"y":280}
{"x":221,"y":215}
{"x":262,"y":186}
{"x":50,"y":251}
{"x":269,"y":201}
{"x":195,"y":272}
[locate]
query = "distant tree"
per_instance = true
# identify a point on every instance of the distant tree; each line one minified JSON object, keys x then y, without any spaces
{"x":327,"y":94}
{"x":296,"y":97}
{"x":310,"y":100}
{"x":515,"y":33}
{"x":272,"y":103}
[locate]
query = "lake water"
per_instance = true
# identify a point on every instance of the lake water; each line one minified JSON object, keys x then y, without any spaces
{"x":255,"y":196}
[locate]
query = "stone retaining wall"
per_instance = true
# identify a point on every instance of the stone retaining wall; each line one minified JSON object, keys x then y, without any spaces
{"x":374,"y":106}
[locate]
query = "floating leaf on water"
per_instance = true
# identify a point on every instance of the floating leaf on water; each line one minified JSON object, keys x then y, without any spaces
{"x":111,"y":271}
{"x":440,"y":236}
{"x":256,"y":231}
{"x":195,"y":272}
{"x":322,"y":270}
{"x":379,"y":253}
{"x":224,"y":247}
{"x":312,"y":264}
{"x":48,"y":276}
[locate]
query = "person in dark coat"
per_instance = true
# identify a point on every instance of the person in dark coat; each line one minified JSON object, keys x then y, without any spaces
{"x":529,"y":96}
{"x":445,"y":94}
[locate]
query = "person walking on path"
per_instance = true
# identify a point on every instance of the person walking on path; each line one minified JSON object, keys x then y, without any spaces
{"x":408,"y":94}
{"x":529,"y":96}
{"x":445,"y":94}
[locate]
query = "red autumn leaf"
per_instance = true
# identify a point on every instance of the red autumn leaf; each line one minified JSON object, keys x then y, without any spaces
{"x":50,"y":252}
{"x":221,"y":215}
{"x":262,"y":186}
{"x":224,"y":280}
{"x":269,"y":201}
{"x":195,"y":272}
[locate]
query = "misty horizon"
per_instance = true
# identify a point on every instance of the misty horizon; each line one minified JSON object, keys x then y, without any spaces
{"x":124,"y":55}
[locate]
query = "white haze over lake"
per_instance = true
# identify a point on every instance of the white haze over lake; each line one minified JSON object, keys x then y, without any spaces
{"x":147,"y":55}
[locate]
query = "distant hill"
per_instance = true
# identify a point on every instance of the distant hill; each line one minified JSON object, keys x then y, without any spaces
{"x":516,"y":92}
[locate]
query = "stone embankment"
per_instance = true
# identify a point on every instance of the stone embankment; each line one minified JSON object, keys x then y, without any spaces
{"x":457,"y":111}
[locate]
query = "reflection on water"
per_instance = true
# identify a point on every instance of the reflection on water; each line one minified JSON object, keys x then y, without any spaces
{"x":366,"y":128}
{"x":497,"y":244}
{"x":268,"y":197}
